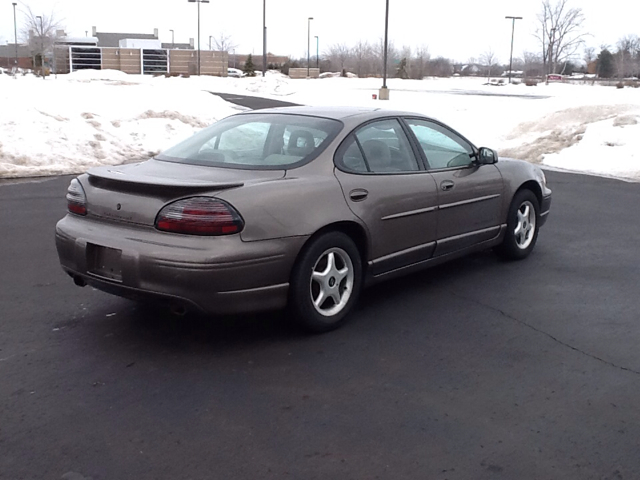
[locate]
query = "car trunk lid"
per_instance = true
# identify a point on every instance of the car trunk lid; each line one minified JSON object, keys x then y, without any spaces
{"x":135,"y":193}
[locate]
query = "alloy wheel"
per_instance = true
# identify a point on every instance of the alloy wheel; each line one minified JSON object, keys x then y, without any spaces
{"x":525,"y":225}
{"x":332,"y":280}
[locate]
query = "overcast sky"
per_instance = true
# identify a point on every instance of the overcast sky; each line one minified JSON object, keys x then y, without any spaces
{"x":458,"y":29}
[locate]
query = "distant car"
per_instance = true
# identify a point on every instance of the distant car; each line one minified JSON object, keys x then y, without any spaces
{"x":296,"y":207}
{"x":235,"y":72}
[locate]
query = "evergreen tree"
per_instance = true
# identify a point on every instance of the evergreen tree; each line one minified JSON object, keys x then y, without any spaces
{"x":249,"y":67}
{"x":401,"y":72}
{"x":605,"y":66}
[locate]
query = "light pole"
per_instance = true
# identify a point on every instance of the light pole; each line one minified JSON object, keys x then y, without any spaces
{"x":317,"y":53}
{"x":384,"y":92}
{"x":264,"y":39}
{"x":15,"y":32}
{"x":513,"y":29}
{"x":41,"y":47}
{"x":210,"y":41}
{"x":198,"y":2}
{"x":172,"y":39}
{"x":308,"y":42}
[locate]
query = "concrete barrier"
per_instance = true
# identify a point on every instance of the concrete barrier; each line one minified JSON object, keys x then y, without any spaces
{"x":302,"y":73}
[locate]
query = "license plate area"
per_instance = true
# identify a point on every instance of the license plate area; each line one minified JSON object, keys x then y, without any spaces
{"x":104,"y":262}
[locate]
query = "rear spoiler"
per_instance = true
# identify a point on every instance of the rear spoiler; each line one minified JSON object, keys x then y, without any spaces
{"x":100,"y":174}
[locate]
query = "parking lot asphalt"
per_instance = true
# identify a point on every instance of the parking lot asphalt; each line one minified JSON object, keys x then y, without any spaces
{"x":478,"y":369}
{"x":253,"y":103}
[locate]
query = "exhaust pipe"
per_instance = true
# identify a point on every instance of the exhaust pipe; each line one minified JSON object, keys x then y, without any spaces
{"x":79,"y":281}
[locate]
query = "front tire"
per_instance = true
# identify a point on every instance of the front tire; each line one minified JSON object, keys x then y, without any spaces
{"x":522,"y":226}
{"x":325,"y":282}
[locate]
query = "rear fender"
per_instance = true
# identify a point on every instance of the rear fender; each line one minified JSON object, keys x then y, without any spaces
{"x":289,"y":207}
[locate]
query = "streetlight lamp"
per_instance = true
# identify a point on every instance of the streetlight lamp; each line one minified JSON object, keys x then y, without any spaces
{"x":172,"y":39}
{"x":513,"y":29}
{"x":308,"y":41}
{"x":198,"y":2}
{"x":264,"y":40}
{"x":15,"y":32}
{"x":384,"y":91}
{"x":317,"y":53}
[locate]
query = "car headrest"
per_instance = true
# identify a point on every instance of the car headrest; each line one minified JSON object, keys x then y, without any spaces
{"x":378,"y":155}
{"x":301,"y":143}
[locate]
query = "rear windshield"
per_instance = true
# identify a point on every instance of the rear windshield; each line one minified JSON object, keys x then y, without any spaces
{"x":258,"y":141}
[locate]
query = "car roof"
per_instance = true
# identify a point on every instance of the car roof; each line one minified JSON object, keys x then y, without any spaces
{"x":336,"y":113}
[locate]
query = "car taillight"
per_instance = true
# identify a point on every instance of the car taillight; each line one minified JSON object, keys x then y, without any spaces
{"x":200,"y":216}
{"x":76,"y":199}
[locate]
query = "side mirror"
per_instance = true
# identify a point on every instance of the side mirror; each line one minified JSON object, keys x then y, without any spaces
{"x":487,"y":156}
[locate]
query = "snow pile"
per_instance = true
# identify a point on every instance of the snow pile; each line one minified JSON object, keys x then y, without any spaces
{"x":73,"y":122}
{"x":607,"y":147}
{"x":95,"y":118}
{"x":274,"y":83}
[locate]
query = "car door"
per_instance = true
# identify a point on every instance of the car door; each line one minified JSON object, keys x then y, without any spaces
{"x":470,"y":195}
{"x":387,"y":187}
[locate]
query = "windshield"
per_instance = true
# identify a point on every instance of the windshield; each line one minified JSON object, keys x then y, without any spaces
{"x":261,"y":141}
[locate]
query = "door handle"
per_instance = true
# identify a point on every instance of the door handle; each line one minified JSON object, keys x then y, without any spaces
{"x":447,"y":185}
{"x":358,"y":194}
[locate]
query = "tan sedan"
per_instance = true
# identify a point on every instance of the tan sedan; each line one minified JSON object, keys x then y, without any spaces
{"x":296,"y":207}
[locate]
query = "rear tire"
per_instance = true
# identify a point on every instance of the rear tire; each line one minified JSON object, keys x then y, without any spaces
{"x":522,"y":226}
{"x":325,"y":282}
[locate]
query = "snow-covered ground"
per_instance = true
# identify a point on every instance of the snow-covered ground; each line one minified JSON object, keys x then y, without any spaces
{"x":70,"y":123}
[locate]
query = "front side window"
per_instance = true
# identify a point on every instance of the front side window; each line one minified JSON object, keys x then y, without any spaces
{"x":378,"y":147}
{"x":442,"y":147}
{"x":262,"y":141}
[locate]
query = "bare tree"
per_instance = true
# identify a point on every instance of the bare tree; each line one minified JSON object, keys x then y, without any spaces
{"x":421,"y":60}
{"x":40,"y":33}
{"x":365,"y":59}
{"x":489,"y":59}
{"x":338,"y":54}
{"x":224,"y":43}
{"x":626,"y":55}
{"x":440,"y":67}
{"x":635,"y":60}
{"x":590,"y":59}
{"x":362,"y":56}
{"x":559,"y":32}
{"x":533,"y":64}
{"x":589,"y":55}
{"x":392,"y":56}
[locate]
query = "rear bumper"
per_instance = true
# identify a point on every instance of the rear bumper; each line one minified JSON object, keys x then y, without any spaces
{"x":545,"y":207}
{"x":219,"y":275}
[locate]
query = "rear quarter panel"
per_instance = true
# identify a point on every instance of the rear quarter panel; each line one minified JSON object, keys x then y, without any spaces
{"x":297,"y":205}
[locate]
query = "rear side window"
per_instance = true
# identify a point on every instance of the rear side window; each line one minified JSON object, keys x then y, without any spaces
{"x":260,"y":141}
{"x":350,"y":156}
{"x":378,"y":147}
